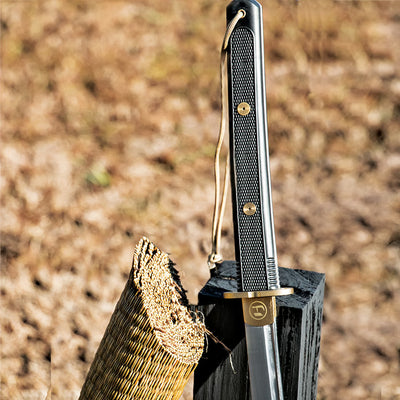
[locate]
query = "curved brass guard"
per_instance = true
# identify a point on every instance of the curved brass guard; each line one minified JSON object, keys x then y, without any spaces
{"x":262,"y":293}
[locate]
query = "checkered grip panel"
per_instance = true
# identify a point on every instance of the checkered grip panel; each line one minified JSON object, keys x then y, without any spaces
{"x":245,"y":159}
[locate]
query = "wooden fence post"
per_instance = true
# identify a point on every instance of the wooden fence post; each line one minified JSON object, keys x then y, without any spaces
{"x":223,"y":374}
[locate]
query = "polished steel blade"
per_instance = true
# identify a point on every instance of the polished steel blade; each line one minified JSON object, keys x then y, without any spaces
{"x":262,"y":350}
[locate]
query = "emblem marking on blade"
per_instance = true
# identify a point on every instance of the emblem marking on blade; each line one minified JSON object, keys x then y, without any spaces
{"x":258,"y":310}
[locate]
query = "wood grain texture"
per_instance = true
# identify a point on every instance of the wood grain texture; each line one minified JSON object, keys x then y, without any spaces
{"x":223,"y":374}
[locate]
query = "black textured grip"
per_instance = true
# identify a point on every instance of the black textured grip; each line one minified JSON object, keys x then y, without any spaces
{"x":250,"y":252}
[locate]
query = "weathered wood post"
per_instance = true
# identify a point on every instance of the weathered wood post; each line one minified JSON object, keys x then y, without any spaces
{"x":223,"y":374}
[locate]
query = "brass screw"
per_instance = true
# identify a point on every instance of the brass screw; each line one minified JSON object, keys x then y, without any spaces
{"x":249,"y":208}
{"x":243,"y":108}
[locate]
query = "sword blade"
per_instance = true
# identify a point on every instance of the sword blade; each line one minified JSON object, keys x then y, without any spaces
{"x":263,"y":356}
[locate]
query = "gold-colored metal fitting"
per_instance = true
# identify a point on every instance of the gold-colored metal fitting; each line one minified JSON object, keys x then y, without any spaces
{"x":261,"y":293}
{"x":259,"y":308}
{"x":259,"y":311}
{"x":243,"y":108}
{"x":249,"y":208}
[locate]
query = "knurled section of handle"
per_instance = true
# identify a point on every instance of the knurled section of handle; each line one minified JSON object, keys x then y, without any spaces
{"x":245,"y":161}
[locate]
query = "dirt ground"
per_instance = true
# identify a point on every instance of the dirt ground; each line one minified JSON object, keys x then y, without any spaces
{"x":109,"y":120}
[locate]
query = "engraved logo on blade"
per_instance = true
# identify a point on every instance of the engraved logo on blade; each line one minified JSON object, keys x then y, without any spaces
{"x":258,"y":310}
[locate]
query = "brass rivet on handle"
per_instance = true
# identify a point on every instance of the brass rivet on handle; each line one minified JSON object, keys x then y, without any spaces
{"x":249,"y":208}
{"x":243,"y":108}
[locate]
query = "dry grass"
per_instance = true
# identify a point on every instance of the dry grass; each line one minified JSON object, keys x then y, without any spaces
{"x":109,"y":115}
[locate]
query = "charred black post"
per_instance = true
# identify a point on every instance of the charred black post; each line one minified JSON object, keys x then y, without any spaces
{"x":223,"y":375}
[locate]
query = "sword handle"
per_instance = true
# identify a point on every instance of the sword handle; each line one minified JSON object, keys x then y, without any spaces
{"x":250,"y":176}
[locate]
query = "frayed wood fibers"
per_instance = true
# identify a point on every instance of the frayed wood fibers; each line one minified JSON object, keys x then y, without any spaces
{"x":153,"y":342}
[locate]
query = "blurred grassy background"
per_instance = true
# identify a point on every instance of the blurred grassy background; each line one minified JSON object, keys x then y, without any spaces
{"x":109,"y":118}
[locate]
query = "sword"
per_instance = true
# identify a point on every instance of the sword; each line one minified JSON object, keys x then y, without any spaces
{"x":255,"y":246}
